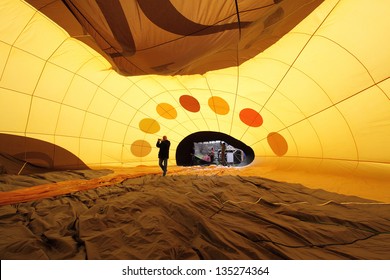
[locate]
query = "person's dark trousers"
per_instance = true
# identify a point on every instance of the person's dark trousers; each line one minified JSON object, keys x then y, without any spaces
{"x":163,"y":162}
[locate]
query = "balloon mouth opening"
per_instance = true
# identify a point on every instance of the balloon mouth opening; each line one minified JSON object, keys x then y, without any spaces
{"x":206,"y":148}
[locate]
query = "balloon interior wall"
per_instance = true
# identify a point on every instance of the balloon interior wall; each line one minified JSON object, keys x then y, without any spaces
{"x":296,"y":85}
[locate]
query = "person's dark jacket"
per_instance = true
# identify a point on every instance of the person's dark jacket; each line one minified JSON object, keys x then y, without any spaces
{"x":164,"y":148}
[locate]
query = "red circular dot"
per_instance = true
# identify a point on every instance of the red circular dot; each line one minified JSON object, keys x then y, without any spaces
{"x":251,"y":118}
{"x":189,"y":103}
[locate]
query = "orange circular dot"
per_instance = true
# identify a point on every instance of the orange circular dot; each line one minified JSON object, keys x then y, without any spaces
{"x":140,"y":148}
{"x":149,"y":126}
{"x":189,"y":103}
{"x":251,"y":118}
{"x":166,"y":110}
{"x":219,"y":105}
{"x":277,"y":143}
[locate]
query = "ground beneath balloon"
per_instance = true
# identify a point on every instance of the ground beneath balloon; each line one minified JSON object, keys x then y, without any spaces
{"x":189,"y":216}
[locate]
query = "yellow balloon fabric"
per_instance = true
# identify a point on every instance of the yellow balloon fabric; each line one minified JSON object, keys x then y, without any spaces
{"x":305,"y":85}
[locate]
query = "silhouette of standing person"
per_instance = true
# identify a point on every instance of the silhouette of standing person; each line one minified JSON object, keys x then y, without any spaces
{"x":223,"y":151}
{"x":163,"y":153}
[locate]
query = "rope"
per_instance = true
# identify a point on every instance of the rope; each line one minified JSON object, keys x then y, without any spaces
{"x":305,"y":202}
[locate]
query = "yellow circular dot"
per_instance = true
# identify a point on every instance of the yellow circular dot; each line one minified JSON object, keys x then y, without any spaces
{"x":166,"y":111}
{"x":277,"y":143}
{"x":219,"y":105}
{"x":140,"y":148}
{"x":150,"y":126}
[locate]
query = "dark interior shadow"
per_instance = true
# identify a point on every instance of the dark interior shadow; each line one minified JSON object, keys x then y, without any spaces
{"x":185,"y":149}
{"x":24,"y":155}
